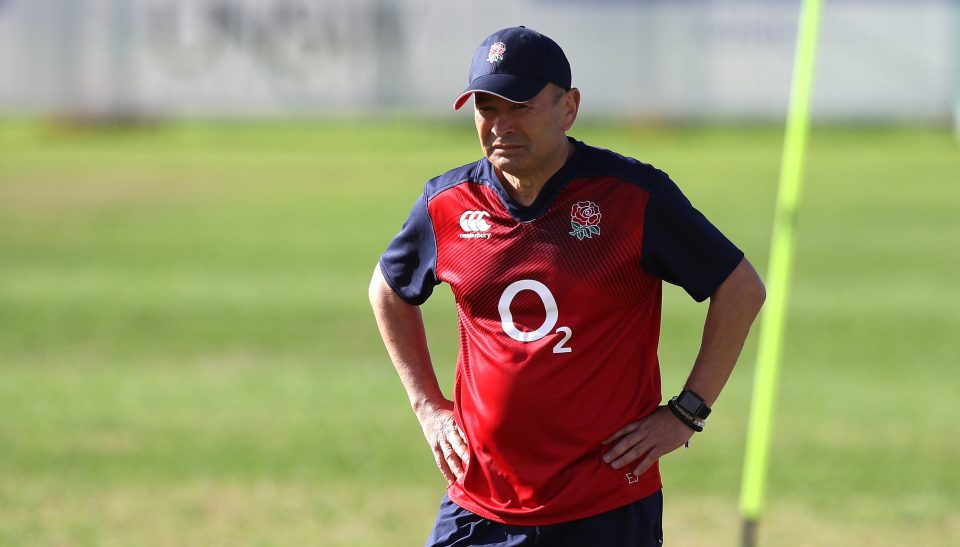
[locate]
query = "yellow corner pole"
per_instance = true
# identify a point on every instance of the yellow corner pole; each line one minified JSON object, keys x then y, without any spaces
{"x":778,"y":272}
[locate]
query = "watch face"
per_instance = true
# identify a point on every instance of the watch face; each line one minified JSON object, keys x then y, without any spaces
{"x":690,"y":402}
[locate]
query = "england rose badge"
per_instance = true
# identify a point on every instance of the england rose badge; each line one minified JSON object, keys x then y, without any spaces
{"x":496,"y":52}
{"x":585,"y":220}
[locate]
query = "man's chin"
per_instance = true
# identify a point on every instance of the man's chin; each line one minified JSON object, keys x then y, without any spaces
{"x":507,"y":163}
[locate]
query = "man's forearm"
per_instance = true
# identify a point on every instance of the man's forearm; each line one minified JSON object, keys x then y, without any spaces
{"x":401,"y":326}
{"x":733,"y":307}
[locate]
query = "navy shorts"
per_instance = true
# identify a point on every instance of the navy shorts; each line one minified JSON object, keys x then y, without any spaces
{"x":636,"y":525}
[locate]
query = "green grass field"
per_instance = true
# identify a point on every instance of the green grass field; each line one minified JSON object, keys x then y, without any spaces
{"x":187,"y":356}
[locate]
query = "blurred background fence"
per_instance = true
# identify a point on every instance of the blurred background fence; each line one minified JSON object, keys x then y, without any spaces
{"x":881,"y":60}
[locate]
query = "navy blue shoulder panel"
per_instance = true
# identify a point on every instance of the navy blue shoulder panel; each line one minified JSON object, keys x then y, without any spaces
{"x":471,"y":172}
{"x":409,"y":264}
{"x":680,"y":245}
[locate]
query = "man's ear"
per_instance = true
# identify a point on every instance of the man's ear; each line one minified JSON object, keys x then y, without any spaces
{"x":571,"y":105}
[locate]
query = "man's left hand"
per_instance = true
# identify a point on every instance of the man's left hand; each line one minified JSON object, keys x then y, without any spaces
{"x":649,"y":437}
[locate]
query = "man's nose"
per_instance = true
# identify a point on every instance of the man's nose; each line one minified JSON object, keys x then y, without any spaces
{"x":502,"y":125}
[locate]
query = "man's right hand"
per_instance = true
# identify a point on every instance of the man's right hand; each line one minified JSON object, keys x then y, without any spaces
{"x":448,"y":443}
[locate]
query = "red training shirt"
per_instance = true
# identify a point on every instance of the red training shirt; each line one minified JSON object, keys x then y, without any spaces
{"x":559,"y":319}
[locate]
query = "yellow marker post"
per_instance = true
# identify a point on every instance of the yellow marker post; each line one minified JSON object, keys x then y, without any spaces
{"x":778,"y":273}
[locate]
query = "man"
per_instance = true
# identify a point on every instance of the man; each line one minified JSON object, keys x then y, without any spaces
{"x":555,"y":252}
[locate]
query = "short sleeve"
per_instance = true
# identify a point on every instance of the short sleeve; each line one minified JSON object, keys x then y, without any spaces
{"x":681,"y":246}
{"x":409,"y":264}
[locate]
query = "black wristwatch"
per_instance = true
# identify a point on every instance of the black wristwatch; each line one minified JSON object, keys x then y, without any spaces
{"x":693,"y":404}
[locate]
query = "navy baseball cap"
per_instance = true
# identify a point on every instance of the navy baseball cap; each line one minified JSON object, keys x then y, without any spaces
{"x":516,"y":63}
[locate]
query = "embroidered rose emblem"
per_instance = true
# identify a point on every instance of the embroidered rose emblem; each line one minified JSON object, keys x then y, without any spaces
{"x":585,"y":219}
{"x":496,"y":52}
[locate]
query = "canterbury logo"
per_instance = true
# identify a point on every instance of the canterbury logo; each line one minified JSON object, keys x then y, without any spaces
{"x":474,"y":225}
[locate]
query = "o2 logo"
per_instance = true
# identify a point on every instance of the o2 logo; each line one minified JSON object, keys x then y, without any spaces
{"x":549,"y":304}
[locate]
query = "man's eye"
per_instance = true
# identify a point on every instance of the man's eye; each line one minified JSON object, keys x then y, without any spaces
{"x":520,"y":106}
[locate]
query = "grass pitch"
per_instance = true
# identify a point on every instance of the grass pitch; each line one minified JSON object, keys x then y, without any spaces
{"x":187,"y":356}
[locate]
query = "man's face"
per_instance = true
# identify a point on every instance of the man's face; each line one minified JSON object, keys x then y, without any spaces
{"x":521,"y":138}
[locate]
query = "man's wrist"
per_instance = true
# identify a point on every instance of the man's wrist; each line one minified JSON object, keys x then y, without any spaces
{"x":685,"y":417}
{"x":426,"y":406}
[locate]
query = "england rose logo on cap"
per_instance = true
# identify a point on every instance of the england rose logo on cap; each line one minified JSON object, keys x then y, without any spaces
{"x":496,"y":52}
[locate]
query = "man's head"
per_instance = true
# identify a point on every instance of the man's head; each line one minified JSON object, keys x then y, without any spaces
{"x":524,"y":104}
